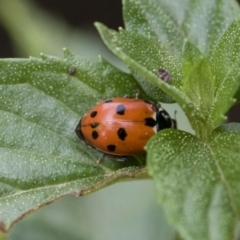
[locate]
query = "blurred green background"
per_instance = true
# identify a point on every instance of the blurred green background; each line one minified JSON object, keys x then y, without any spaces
{"x":126,"y":210}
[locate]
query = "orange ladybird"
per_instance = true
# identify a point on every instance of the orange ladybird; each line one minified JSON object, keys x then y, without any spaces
{"x":122,"y":126}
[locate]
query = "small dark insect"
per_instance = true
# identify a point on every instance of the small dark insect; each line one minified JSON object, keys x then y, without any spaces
{"x":164,"y":75}
{"x":71,"y":70}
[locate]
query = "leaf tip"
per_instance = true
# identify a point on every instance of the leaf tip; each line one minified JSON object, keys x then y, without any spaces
{"x":43,"y":56}
{"x":223,"y":118}
{"x":233,"y":100}
{"x":67,"y":53}
{"x":98,"y":25}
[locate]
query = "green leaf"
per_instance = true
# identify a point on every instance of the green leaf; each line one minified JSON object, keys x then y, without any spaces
{"x":198,"y":83}
{"x":154,"y":20}
{"x":212,"y":85}
{"x":226,"y":63}
{"x":123,"y":49}
{"x":198,"y":183}
{"x":146,"y":52}
{"x":41,"y":158}
{"x":155,"y":26}
{"x":202,"y":22}
{"x":206,"y":21}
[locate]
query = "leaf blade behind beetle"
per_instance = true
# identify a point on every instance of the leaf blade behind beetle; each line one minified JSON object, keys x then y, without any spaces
{"x":148,"y":53}
{"x":200,"y":22}
{"x":154,"y":20}
{"x":151,"y":82}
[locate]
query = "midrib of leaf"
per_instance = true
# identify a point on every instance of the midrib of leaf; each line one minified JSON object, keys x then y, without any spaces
{"x":224,"y":180}
{"x":20,"y":192}
{"x":103,"y":180}
{"x":25,"y":150}
{"x":214,"y":178}
{"x":66,"y":158}
{"x":40,"y":126}
{"x":108,"y":173}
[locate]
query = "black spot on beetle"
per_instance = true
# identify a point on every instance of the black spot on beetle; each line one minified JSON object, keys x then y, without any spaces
{"x":150,"y":122}
{"x":120,"y":109}
{"x":93,"y":114}
{"x":122,"y":133}
{"x":94,"y":134}
{"x":94,"y":125}
{"x":108,"y":101}
{"x":111,"y":148}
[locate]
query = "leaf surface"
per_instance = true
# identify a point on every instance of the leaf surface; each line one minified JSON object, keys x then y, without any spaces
{"x":198,"y":183}
{"x":41,"y":158}
{"x":202,"y":22}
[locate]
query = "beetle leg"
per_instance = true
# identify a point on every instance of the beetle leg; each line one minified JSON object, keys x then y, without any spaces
{"x":121,"y":159}
{"x":137,"y":93}
{"x":174,"y":120}
{"x":99,"y":160}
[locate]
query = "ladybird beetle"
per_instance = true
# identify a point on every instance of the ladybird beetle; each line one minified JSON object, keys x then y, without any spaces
{"x":122,"y":126}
